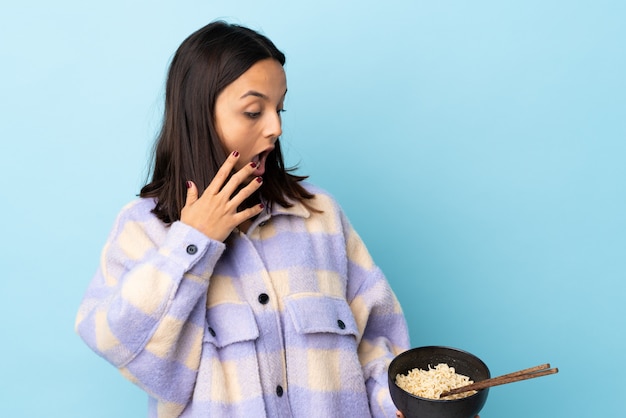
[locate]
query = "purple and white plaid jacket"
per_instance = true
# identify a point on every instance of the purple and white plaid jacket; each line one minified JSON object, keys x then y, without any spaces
{"x":291,"y":319}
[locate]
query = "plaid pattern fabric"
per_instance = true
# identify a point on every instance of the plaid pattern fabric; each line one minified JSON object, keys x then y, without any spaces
{"x":292,"y":319}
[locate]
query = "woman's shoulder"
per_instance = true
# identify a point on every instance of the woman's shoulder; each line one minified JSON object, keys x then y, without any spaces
{"x":136,"y":217}
{"x":140,"y":207}
{"x":317,"y":191}
{"x":323,"y":199}
{"x":139,"y":212}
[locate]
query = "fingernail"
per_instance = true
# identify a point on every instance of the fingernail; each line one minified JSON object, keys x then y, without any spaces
{"x":189,"y":185}
{"x":253,"y":164}
{"x":261,"y":205}
{"x":259,"y":179}
{"x":235,"y":154}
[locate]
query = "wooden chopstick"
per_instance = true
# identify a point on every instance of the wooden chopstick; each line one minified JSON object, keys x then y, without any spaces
{"x":530,"y":373}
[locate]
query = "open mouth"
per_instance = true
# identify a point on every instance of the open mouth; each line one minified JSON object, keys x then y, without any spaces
{"x":262,"y":156}
{"x":260,"y":160}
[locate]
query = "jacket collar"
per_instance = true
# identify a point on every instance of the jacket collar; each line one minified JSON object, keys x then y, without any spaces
{"x":298,"y":209}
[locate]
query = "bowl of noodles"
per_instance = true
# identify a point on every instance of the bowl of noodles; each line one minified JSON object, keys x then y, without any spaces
{"x":419,"y":376}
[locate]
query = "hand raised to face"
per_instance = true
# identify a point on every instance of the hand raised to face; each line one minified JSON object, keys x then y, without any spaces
{"x":215,"y":213}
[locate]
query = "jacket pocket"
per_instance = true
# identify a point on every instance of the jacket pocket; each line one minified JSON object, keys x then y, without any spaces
{"x":319,"y":313}
{"x":229,"y":323}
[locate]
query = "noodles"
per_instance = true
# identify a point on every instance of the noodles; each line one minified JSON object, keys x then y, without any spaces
{"x":432,"y":383}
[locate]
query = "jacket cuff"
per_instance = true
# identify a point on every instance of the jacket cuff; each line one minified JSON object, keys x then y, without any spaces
{"x":192,"y":250}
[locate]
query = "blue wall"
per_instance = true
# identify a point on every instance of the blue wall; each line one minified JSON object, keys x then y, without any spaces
{"x":478,"y":147}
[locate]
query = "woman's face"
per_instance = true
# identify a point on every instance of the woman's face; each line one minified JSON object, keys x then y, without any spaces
{"x":247,"y":113}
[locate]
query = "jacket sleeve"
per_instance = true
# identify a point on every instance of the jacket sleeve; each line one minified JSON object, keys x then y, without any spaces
{"x":144,"y":309}
{"x":380,"y":320}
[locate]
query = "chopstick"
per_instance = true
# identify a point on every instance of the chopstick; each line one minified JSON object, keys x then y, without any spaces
{"x":530,"y":373}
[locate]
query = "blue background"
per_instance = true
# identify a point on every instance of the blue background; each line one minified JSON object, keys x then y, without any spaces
{"x":478,"y":147}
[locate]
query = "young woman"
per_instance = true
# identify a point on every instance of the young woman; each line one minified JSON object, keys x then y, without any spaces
{"x":232,"y":287}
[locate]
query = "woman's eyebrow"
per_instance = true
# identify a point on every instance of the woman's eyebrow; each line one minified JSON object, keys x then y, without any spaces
{"x":258,"y":94}
{"x":254,"y":93}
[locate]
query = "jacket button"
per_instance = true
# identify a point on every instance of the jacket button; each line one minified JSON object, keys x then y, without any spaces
{"x":263,"y":298}
{"x":263,"y":223}
{"x":279,"y":391}
{"x":212,"y":331}
{"x":341,"y":324}
{"x":192,"y":249}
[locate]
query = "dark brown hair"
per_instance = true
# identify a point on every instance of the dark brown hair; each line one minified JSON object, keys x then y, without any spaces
{"x":188,"y":147}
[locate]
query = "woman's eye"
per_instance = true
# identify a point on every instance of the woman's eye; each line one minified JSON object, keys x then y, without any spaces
{"x":253,"y":115}
{"x":279,"y":111}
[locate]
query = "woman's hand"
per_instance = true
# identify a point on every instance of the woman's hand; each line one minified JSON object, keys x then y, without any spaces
{"x":215,"y":212}
{"x":401,"y":415}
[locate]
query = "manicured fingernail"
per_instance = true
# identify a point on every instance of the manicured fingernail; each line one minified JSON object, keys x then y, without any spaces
{"x":259,"y":179}
{"x":261,"y":205}
{"x":253,"y":164}
{"x":235,"y":154}
{"x":189,"y":185}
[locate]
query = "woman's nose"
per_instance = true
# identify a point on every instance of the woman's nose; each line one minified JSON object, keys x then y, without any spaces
{"x":273,"y":127}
